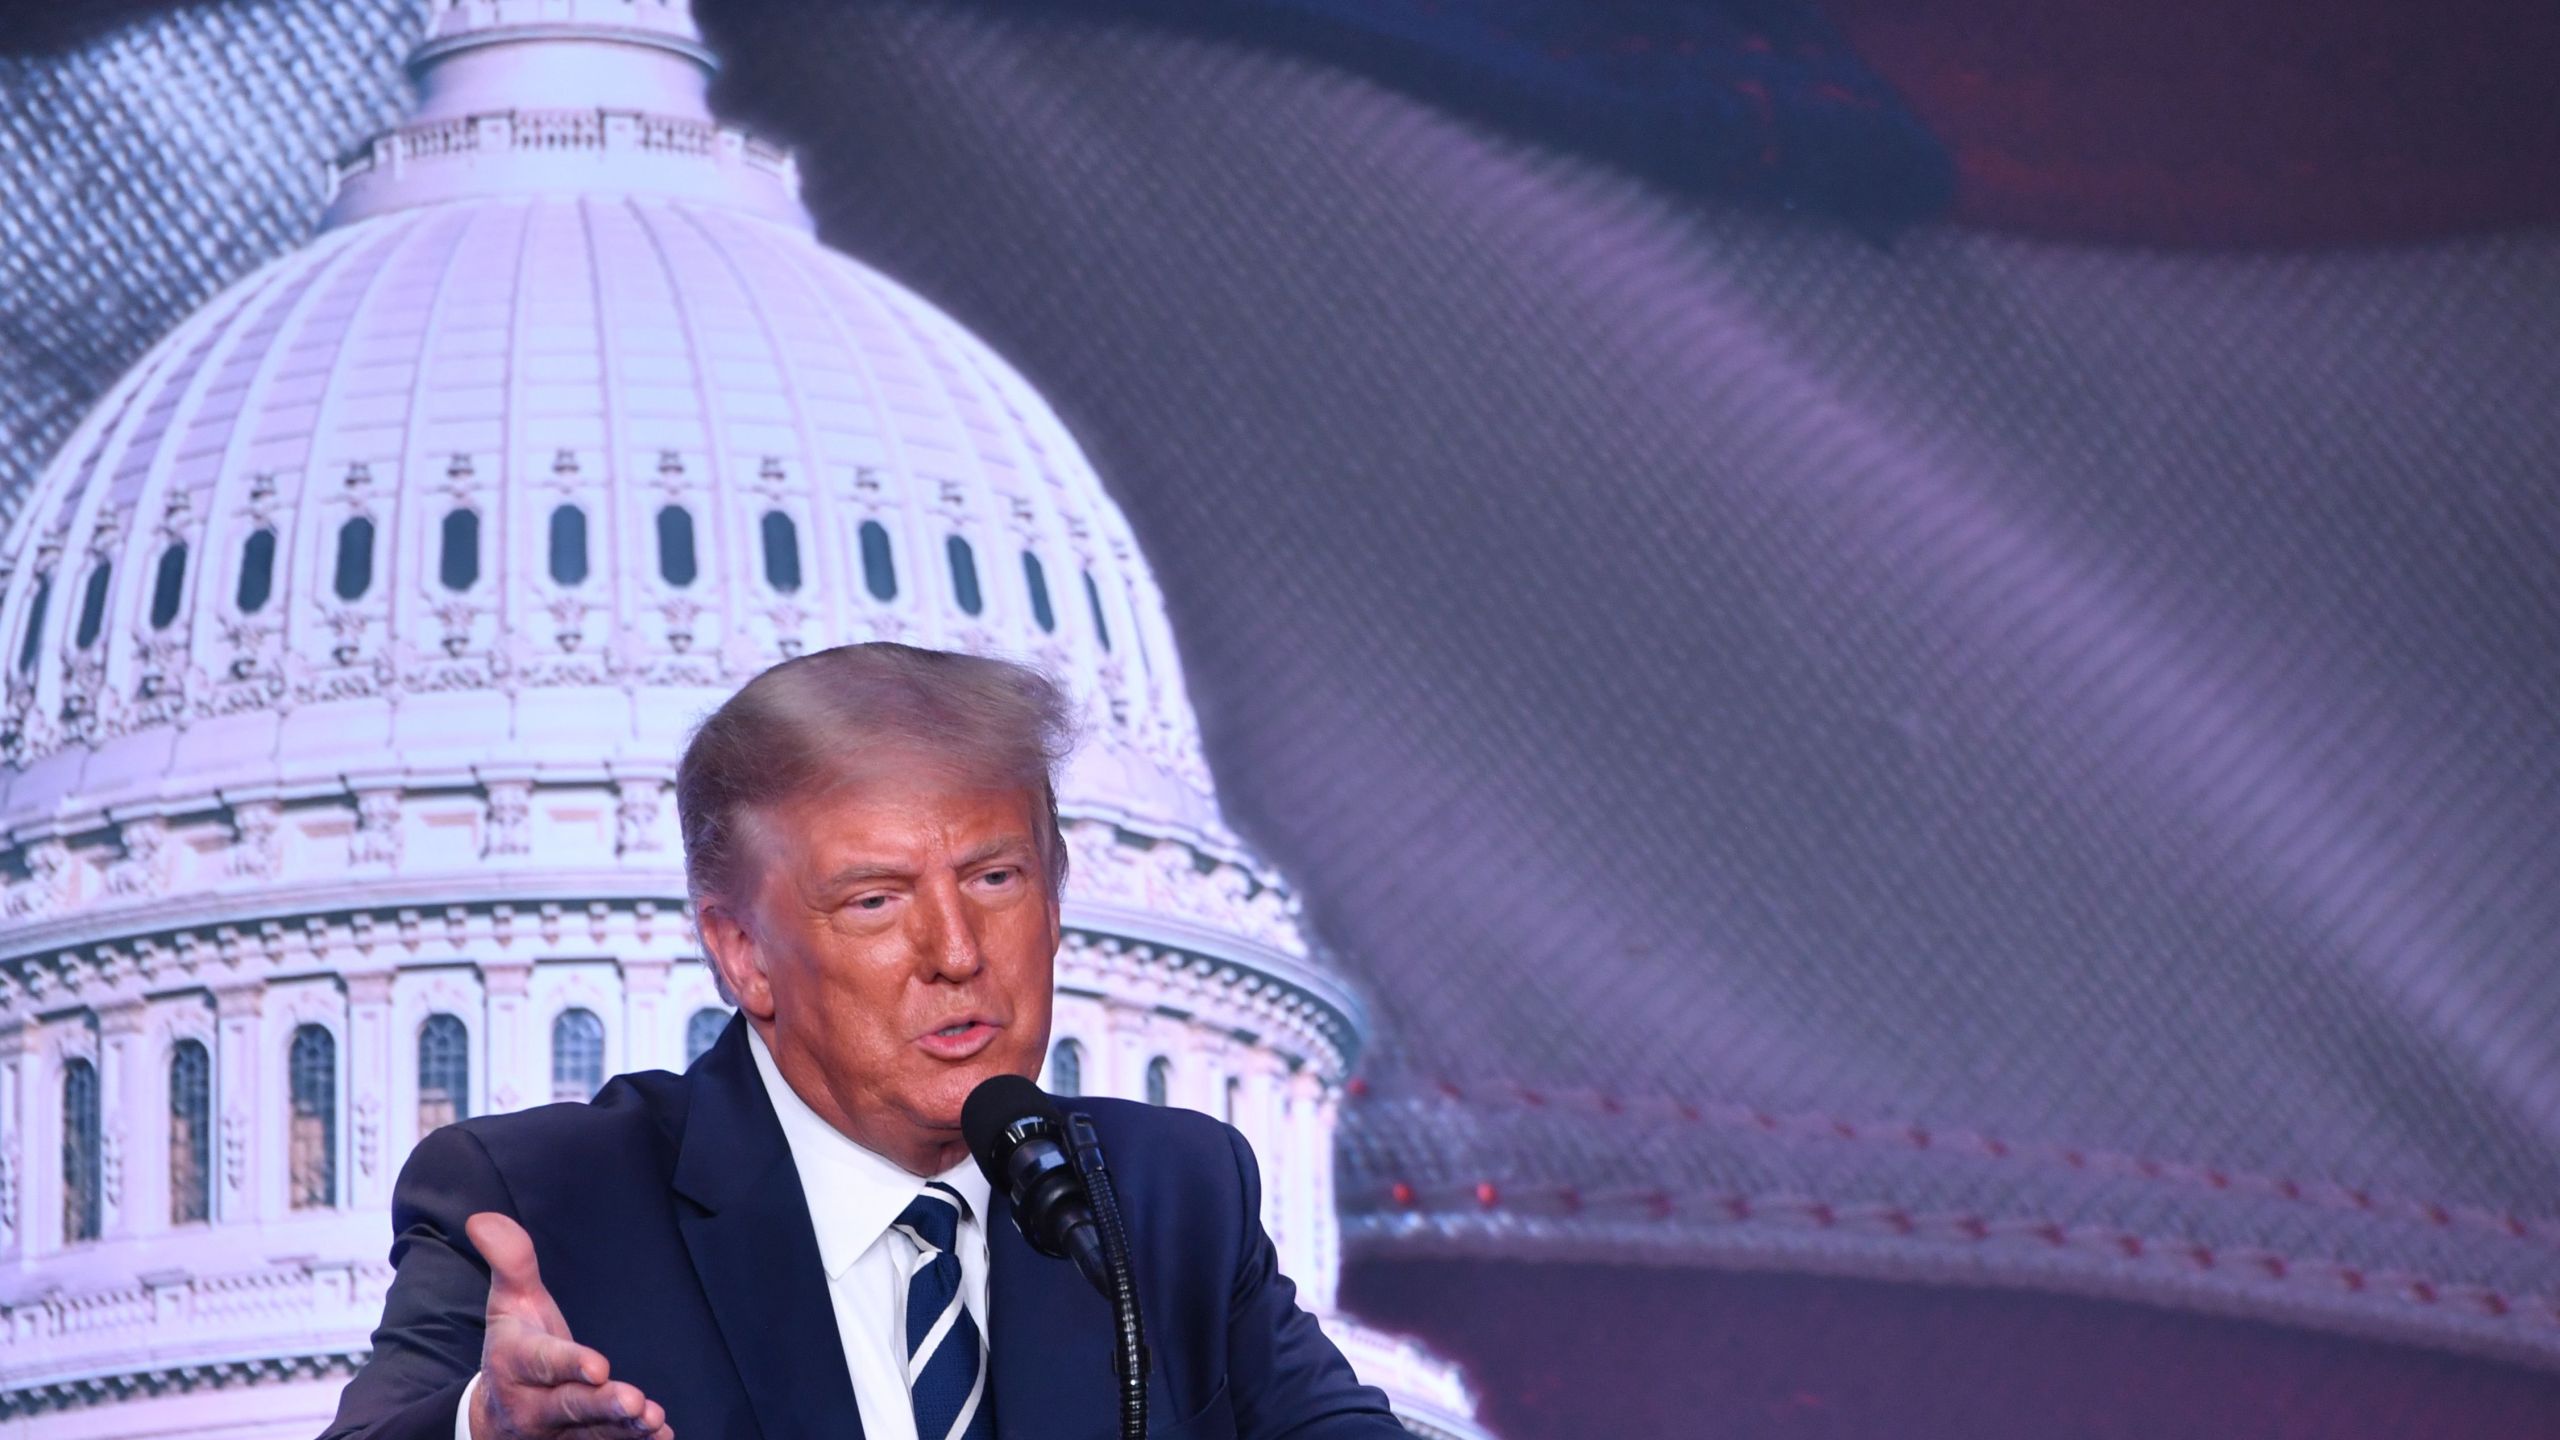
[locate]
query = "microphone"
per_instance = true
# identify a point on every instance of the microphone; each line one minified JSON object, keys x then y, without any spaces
{"x":1019,"y":1140}
{"x":1066,"y":1206}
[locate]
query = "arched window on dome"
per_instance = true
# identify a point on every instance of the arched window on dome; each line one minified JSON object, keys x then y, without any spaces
{"x":1066,"y":1068}
{"x":964,"y":575}
{"x":93,"y":605}
{"x":1093,"y":599}
{"x":1037,"y":581}
{"x":879,"y":567}
{"x":1234,"y":1092}
{"x":458,"y":550}
{"x":569,"y":545}
{"x":577,"y":1055}
{"x":1159,"y":1081}
{"x":444,"y":1072}
{"x":311,"y":1158}
{"x":190,"y":1133}
{"x":31,"y":642}
{"x":82,"y":1200}
{"x":257,"y":571}
{"x":702,"y":1031}
{"x":781,"y":552}
{"x":675,"y":546}
{"x":168,"y":585}
{"x":355,"y":559}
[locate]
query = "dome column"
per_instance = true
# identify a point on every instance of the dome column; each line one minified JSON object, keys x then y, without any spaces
{"x":1306,"y":1145}
{"x":238,"y":1098}
{"x":1324,"y":1269}
{"x":373,"y":1051}
{"x":13,"y":1151}
{"x":650,"y":1040}
{"x":1124,"y":1058}
{"x":512,"y":1081}
{"x":127,"y":1173}
{"x":1257,"y":1116}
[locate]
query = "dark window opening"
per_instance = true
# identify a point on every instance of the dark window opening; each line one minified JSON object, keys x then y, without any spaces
{"x":312,"y":1151}
{"x":1038,"y":580}
{"x":355,"y":558}
{"x":1093,"y":597}
{"x":569,"y":544}
{"x":444,"y":1072}
{"x":879,"y":569}
{"x":93,"y":606}
{"x":702,"y":1031}
{"x":781,"y":552}
{"x":675,"y":546}
{"x":964,"y":575}
{"x":577,"y":1055}
{"x":82,"y":1201}
{"x":458,"y":561}
{"x":190,"y":1133}
{"x":33,"y":641}
{"x":168,"y":586}
{"x":257,"y":571}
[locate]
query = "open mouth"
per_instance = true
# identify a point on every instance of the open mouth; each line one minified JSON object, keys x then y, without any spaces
{"x":958,"y":1040}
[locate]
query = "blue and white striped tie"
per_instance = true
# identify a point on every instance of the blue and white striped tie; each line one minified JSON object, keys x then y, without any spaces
{"x":946,"y":1361}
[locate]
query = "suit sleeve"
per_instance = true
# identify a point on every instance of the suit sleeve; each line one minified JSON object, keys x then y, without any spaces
{"x":1286,"y":1381}
{"x":428,"y":1345}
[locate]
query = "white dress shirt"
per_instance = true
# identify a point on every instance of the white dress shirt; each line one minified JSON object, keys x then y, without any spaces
{"x":853,"y":1195}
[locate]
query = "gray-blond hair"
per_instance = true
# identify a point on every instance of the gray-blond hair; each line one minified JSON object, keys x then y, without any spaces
{"x":798,"y":727}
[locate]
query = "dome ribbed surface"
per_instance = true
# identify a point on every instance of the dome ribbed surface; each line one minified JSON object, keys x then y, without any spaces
{"x":596,"y":363}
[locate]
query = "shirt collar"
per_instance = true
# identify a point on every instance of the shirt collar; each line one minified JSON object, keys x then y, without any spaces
{"x":853,"y":1192}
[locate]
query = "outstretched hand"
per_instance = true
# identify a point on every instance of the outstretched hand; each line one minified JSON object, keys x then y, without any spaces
{"x":535,"y":1379}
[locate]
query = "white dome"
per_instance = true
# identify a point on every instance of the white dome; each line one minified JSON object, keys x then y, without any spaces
{"x":408,"y":412}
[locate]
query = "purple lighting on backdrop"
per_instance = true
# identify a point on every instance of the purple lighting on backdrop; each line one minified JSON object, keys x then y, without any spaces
{"x":1939,"y":832}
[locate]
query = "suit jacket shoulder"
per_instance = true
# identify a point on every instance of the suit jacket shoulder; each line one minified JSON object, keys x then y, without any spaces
{"x":1235,"y":1352}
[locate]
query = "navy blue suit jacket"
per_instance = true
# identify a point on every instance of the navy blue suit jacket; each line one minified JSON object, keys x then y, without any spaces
{"x":671,"y":1228}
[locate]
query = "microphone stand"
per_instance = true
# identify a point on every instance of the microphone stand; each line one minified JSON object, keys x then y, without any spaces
{"x":1129,"y":1352}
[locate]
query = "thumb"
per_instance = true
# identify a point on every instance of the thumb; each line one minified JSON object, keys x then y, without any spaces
{"x":515,"y":1278}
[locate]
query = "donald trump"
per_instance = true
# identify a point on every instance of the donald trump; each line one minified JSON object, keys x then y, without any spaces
{"x":790,"y":1239}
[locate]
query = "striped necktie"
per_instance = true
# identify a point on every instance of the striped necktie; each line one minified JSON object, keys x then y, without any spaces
{"x":946,"y":1361}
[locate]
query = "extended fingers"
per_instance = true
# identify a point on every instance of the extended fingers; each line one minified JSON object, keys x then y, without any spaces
{"x":528,"y":1358}
{"x":608,"y":1412}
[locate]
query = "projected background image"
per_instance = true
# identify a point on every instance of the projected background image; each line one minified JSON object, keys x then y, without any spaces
{"x":1828,"y":723}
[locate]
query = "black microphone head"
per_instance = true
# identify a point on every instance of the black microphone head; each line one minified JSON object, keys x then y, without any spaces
{"x":993,"y":1109}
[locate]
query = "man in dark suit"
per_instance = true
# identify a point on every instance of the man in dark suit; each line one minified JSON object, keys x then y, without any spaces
{"x":789,"y":1240}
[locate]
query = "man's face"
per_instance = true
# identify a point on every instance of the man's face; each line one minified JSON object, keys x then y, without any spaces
{"x":897,"y":950}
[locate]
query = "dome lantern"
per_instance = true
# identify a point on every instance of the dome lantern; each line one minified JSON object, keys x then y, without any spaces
{"x":537,"y":97}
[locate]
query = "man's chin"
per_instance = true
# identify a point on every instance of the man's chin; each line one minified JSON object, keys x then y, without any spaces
{"x":948,"y":1091}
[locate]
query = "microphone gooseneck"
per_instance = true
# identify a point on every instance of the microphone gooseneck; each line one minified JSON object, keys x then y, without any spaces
{"x":1065,"y":1206}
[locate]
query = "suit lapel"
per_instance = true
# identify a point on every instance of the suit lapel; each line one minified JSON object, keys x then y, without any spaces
{"x":1048,"y":1342}
{"x":749,"y":1235}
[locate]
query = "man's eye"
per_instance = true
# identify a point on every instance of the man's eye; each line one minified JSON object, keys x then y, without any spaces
{"x":871,"y":902}
{"x":1001,"y":876}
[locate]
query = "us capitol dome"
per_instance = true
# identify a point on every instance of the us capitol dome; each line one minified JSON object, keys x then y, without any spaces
{"x":349,"y":647}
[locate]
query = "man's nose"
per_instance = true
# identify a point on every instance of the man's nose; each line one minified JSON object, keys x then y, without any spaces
{"x":951,"y":933}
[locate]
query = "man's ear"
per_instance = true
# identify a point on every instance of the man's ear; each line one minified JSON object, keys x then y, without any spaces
{"x":735,"y":958}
